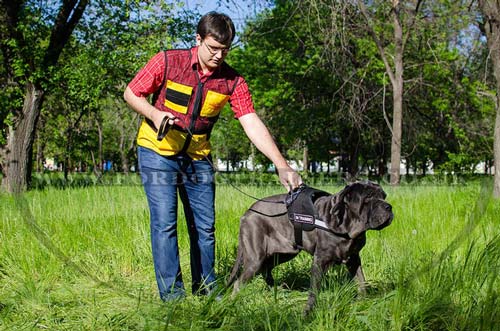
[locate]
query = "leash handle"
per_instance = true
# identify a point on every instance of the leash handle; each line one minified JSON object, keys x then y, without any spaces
{"x":164,"y":127}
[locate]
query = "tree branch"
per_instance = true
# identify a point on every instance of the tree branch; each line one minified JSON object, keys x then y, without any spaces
{"x":377,"y":41}
{"x":69,"y":14}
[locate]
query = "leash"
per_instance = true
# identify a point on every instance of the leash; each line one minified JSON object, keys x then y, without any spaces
{"x":301,"y":222}
{"x":165,"y":126}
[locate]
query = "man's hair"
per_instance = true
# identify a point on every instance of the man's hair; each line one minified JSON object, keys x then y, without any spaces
{"x":218,"y":26}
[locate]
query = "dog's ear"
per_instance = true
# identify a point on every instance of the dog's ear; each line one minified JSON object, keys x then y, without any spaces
{"x":337,"y":202}
{"x":375,"y":190}
{"x":345,"y":211}
{"x":337,"y":216}
{"x":381,"y":192}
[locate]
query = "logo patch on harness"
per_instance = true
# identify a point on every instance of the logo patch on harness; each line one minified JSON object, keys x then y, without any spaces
{"x":301,"y":218}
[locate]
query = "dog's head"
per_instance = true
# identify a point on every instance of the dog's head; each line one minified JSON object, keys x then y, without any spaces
{"x":360,"y":206}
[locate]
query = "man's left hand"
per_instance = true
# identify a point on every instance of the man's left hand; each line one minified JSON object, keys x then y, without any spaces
{"x":289,"y":178}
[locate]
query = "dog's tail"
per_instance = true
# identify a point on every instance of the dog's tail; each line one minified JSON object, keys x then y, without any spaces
{"x":236,"y":267}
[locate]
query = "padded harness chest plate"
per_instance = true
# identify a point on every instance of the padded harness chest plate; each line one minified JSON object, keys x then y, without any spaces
{"x":301,"y":211}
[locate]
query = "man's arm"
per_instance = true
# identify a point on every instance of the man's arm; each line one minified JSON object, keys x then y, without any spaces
{"x":142,"y":106}
{"x":258,"y":133}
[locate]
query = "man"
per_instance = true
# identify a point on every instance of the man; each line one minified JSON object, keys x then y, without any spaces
{"x":190,"y":88}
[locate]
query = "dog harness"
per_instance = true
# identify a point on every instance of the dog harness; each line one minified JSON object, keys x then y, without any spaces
{"x":302,"y":213}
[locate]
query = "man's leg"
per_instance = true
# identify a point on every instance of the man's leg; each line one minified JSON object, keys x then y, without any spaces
{"x":198,"y":197}
{"x":159,"y":177}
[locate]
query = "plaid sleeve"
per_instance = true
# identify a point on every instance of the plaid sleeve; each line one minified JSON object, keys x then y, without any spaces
{"x":241,"y":99}
{"x":149,"y":78}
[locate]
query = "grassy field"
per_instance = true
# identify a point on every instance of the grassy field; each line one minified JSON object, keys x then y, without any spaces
{"x":79,"y":259}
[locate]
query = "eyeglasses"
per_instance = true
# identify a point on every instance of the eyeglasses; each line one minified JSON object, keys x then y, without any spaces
{"x":215,"y":50}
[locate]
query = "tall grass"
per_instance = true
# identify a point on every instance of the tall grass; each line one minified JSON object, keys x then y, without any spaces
{"x":79,"y":259}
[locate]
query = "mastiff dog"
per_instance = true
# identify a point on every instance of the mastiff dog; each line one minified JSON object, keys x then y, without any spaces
{"x":334,"y":235}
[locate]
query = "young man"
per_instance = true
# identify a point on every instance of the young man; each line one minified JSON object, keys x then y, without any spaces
{"x":190,"y":88}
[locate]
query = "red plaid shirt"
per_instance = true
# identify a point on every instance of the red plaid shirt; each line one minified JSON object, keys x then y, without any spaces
{"x":150,"y":77}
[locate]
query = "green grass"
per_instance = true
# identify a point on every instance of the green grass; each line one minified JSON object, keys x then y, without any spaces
{"x":79,"y":259}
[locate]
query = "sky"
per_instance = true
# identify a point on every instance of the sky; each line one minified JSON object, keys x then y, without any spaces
{"x":238,"y":10}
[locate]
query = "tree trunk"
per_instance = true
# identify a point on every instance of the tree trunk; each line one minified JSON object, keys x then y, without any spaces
{"x":252,"y":156}
{"x":397,"y":129}
{"x":18,"y":161}
{"x":305,"y":161}
{"x":123,"y":153}
{"x":67,"y":153}
{"x":395,"y":76}
{"x":491,"y":20}
{"x":95,"y":169}
{"x":496,"y":144}
{"x":354,"y":154}
{"x":99,"y":151}
{"x":397,"y":88}
{"x":40,"y":148}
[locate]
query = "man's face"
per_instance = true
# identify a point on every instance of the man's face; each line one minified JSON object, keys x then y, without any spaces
{"x":211,"y":53}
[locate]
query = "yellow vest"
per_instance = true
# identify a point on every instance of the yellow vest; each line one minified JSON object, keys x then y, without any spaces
{"x":197,"y":106}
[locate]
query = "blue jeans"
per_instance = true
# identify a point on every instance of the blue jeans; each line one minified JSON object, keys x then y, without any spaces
{"x":162,"y":177}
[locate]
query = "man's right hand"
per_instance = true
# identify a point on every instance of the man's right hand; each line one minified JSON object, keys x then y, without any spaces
{"x":157,"y":116}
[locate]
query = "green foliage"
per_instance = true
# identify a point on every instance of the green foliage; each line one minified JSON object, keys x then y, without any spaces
{"x":228,"y":140}
{"x":16,"y":70}
{"x":292,"y":92}
{"x":84,"y":107}
{"x":315,"y":74}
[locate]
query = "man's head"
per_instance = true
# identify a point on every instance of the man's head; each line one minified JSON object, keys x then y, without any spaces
{"x":214,"y":35}
{"x":218,"y":26}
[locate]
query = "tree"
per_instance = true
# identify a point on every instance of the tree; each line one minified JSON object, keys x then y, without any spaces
{"x":402,"y":16}
{"x":491,"y":28}
{"x":36,"y":38}
{"x":229,"y":140}
{"x":318,"y":76}
{"x":293,"y":92}
{"x":120,"y":132}
{"x":28,"y":64}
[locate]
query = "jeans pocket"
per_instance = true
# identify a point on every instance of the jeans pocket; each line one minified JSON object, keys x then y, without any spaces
{"x":149,"y":159}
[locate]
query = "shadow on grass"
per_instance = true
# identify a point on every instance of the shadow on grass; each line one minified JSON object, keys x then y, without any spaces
{"x":295,"y":275}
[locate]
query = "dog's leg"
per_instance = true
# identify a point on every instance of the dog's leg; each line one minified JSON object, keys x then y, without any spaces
{"x":250,"y":269}
{"x":267,"y":270}
{"x":236,"y":267}
{"x":236,"y":288}
{"x":319,"y":267}
{"x":273,"y":261}
{"x":354,"y":266}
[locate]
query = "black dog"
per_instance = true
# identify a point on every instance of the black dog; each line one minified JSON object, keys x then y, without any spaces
{"x":267,"y":238}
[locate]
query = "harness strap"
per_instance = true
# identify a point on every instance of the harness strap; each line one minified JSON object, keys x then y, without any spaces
{"x":297,"y":231}
{"x":301,"y":211}
{"x":194,"y":115}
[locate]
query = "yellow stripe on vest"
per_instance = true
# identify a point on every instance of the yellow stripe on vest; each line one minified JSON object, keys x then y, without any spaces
{"x":173,"y":142}
{"x":177,"y":96}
